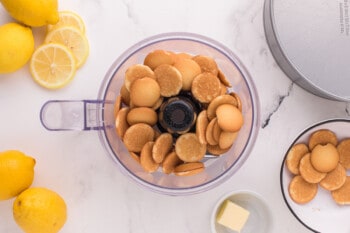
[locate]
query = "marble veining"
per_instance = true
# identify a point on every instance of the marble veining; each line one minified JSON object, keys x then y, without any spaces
{"x":279,"y":101}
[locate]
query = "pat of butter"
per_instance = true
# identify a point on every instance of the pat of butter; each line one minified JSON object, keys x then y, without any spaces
{"x":232,"y":216}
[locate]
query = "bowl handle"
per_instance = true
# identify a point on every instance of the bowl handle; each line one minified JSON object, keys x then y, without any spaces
{"x":79,"y":115}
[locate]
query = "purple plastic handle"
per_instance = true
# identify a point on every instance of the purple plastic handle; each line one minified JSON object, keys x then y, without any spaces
{"x":79,"y":115}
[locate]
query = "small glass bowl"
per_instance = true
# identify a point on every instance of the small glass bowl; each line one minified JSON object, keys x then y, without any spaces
{"x":259,"y":220}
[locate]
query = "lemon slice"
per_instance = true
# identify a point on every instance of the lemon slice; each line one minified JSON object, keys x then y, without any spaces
{"x":53,"y":65}
{"x":73,"y":39}
{"x":68,"y":18}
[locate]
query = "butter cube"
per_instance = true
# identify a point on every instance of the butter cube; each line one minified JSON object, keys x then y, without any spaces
{"x":232,"y":216}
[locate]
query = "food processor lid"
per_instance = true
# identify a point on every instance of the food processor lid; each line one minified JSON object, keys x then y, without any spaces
{"x":312,"y":41}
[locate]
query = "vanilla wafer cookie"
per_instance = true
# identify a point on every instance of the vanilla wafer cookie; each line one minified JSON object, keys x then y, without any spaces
{"x":189,"y":149}
{"x":205,"y":87}
{"x":294,"y":156}
{"x":145,"y":92}
{"x":170,"y":161}
{"x":146,"y":160}
{"x":159,"y":57}
{"x":302,"y":191}
{"x":189,"y":69}
{"x":135,"y":72}
{"x":344,"y":152}
{"x":334,"y":179}
{"x":322,"y":136}
{"x":162,"y":146}
{"x":219,"y":100}
{"x":136,"y":136}
{"x":308,"y":172}
{"x":189,"y":169}
{"x":207,"y":64}
{"x":169,"y":80}
{"x":142,"y":115}
{"x":341,"y":196}
{"x":121,"y":123}
{"x":201,"y":126}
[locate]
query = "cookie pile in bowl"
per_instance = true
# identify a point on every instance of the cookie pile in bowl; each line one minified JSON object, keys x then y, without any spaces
{"x":314,"y":176}
{"x":185,"y":113}
{"x":322,"y":161}
{"x":174,"y":108}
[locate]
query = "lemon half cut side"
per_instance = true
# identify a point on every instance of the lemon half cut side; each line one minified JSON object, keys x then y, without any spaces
{"x":53,"y":65}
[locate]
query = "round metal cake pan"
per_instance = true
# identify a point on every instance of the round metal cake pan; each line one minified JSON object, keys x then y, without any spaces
{"x":310,"y":41}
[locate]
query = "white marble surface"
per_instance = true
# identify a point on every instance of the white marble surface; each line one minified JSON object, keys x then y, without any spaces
{"x":99,"y":197}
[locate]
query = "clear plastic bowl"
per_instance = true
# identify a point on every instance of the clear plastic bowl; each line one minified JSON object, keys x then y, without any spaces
{"x":217,"y":169}
{"x":99,"y":114}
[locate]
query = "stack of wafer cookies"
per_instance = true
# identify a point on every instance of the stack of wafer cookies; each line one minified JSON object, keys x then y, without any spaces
{"x":322,"y":161}
{"x":163,"y":75}
{"x":219,"y":124}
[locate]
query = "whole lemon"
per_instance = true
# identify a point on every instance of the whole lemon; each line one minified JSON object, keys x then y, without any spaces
{"x":34,"y":13}
{"x":40,"y":210}
{"x":16,"y":46}
{"x":16,"y":173}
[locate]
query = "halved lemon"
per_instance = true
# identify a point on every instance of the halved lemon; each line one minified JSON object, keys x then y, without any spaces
{"x":73,"y":39}
{"x":68,"y":18}
{"x":53,"y":65}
